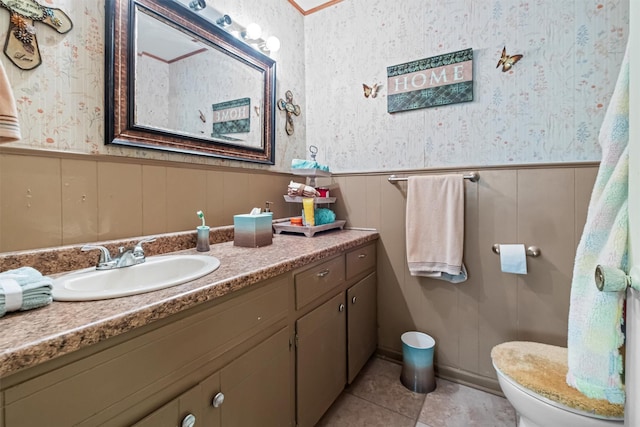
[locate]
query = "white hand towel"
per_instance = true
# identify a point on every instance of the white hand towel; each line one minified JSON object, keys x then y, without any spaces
{"x":435,"y":227}
{"x":9,"y":126}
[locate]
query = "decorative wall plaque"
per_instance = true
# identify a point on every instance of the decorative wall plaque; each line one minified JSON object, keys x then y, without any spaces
{"x":431,"y":82}
{"x":21,"y":45}
{"x":290,"y":108}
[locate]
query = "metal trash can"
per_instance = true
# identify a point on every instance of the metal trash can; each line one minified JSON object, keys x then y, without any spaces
{"x":417,"y":362}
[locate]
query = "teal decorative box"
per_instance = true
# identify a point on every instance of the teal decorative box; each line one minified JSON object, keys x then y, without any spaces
{"x":253,"y":231}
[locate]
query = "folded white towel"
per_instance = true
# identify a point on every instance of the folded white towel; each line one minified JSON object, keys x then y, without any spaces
{"x":297,"y":189}
{"x":435,"y":227}
{"x":9,"y":126}
{"x":24,"y":288}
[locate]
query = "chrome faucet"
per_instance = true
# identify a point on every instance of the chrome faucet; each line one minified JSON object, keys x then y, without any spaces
{"x":126,"y":257}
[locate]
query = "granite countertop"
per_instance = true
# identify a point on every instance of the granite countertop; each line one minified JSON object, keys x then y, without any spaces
{"x":33,"y":337}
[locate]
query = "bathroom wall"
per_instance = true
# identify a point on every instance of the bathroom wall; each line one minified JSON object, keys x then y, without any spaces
{"x":52,"y":199}
{"x":547,"y":109}
{"x":62,"y":185}
{"x":523,"y":131}
{"x":61,"y":103}
{"x":541,"y":206}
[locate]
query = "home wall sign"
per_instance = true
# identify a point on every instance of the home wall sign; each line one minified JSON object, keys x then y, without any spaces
{"x":231,"y":117}
{"x":21,"y":45}
{"x":431,"y":82}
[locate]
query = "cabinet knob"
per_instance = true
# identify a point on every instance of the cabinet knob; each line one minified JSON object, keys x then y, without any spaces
{"x":188,"y":421}
{"x":341,"y":308}
{"x":353,"y":300}
{"x":322,"y":273}
{"x":217,"y":400}
{"x":362,"y":256}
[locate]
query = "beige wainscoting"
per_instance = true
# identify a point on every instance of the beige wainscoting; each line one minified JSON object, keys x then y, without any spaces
{"x":544,"y":206}
{"x":51,"y":199}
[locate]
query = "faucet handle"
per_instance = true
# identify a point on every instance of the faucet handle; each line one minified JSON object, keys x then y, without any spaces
{"x":137,"y":250}
{"x":105,"y":256}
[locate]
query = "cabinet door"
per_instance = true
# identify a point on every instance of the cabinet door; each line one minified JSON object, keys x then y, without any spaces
{"x":256,"y":386}
{"x":211,"y":401}
{"x":320,"y":359}
{"x":362,"y":323}
{"x":183,"y":411}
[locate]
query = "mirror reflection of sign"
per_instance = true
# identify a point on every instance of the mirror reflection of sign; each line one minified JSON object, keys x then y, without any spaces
{"x":231,"y":117}
{"x":231,"y":114}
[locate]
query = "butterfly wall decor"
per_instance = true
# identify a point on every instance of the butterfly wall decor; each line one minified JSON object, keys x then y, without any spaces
{"x":507,"y":61}
{"x":370,"y":91}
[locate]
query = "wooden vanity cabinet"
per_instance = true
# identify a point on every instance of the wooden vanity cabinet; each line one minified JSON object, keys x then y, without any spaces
{"x":275,"y":354}
{"x":166,"y":370}
{"x":336,"y":332}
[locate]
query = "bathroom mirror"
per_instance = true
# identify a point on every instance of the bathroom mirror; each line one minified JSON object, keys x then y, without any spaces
{"x":177,"y":82}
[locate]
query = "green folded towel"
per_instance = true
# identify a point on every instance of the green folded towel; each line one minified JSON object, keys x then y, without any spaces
{"x":24,"y":288}
{"x":308,"y":164}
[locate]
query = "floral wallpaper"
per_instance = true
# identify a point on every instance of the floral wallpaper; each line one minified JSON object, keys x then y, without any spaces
{"x":547,"y":108}
{"x":61,"y":102}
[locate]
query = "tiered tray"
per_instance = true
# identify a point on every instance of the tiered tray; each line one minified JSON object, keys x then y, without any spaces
{"x":279,"y":227}
{"x":316,"y":200}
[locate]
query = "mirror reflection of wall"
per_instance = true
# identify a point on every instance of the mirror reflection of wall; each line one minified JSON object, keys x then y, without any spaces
{"x":178,"y":77}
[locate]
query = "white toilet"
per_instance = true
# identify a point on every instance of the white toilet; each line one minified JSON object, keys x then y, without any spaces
{"x":532,"y":378}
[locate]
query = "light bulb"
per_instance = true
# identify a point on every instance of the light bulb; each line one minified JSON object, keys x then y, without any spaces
{"x":253,"y":31}
{"x":273,"y":44}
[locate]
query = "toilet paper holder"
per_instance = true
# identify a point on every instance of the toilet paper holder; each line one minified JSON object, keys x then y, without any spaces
{"x":532,"y":251}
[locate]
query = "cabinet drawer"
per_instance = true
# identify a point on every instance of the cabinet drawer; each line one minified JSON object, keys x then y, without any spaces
{"x":360,"y":260}
{"x":318,"y":280}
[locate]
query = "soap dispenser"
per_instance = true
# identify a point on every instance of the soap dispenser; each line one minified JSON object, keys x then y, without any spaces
{"x":267,"y":210}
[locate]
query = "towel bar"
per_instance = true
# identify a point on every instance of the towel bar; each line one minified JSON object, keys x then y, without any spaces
{"x":532,"y":251}
{"x":472,"y":176}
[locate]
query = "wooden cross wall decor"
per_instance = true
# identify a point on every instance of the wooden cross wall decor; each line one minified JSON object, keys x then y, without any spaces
{"x":21,"y":45}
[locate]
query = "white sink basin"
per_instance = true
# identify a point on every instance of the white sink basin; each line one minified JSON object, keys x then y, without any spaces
{"x":157,"y":272}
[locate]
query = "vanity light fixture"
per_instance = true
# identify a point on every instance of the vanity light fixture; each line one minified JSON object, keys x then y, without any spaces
{"x":271,"y":45}
{"x":225,"y":21}
{"x":198,"y":5}
{"x":253,"y":32}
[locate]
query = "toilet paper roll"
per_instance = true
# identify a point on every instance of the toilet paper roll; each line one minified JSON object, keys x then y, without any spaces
{"x":513,"y":259}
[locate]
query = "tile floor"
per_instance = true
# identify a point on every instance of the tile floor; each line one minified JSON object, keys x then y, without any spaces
{"x":377,"y":398}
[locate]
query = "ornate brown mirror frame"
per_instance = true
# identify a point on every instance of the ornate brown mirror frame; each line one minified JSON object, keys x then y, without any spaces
{"x":120,"y":125}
